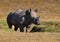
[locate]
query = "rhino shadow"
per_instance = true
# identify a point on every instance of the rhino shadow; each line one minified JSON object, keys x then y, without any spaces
{"x":37,"y":29}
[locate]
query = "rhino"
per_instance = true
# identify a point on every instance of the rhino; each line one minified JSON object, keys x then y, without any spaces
{"x":22,"y":18}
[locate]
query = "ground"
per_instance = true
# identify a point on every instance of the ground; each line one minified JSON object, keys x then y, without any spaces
{"x":6,"y":36}
{"x":52,"y":34}
{"x":49,"y":12}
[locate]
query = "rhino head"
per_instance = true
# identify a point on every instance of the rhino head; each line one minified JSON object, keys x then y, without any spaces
{"x":33,"y":16}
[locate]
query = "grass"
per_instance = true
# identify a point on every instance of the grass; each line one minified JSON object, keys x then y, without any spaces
{"x":45,"y":26}
{"x":4,"y":26}
{"x":49,"y":31}
{"x":49,"y":26}
{"x":47,"y":34}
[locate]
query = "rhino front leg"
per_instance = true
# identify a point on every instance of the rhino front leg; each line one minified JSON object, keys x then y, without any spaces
{"x":28,"y":28}
{"x":21,"y":28}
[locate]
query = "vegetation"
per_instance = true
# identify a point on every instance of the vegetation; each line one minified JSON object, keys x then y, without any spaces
{"x":45,"y":26}
{"x":47,"y":31}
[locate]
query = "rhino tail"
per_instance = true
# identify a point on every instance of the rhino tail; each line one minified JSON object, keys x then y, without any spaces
{"x":9,"y":20}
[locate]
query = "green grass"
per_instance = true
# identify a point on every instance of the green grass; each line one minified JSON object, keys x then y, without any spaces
{"x":46,"y":26}
{"x":4,"y":26}
{"x":49,"y":26}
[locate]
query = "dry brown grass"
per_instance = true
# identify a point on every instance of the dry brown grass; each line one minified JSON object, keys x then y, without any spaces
{"x":6,"y":36}
{"x":42,"y":5}
{"x":50,"y":8}
{"x":49,"y":17}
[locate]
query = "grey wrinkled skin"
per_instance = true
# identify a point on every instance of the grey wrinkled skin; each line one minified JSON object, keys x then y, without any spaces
{"x":22,"y":18}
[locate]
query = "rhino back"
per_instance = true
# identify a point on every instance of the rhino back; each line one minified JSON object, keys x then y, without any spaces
{"x":17,"y":16}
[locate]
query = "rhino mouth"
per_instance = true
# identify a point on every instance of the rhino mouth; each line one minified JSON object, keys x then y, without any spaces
{"x":37,"y":23}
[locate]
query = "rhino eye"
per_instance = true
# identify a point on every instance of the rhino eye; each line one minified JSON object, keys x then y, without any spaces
{"x":34,"y":19}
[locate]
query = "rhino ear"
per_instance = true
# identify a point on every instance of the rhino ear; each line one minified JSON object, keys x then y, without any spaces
{"x":37,"y":17}
{"x":36,"y":10}
{"x":29,"y":10}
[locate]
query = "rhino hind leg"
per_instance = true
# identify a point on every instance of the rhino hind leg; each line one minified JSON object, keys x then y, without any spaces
{"x":16,"y":28}
{"x":9,"y":25}
{"x":9,"y":20}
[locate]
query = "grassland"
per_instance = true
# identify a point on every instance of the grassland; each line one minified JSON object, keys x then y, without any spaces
{"x":50,"y":32}
{"x":49,"y":12}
